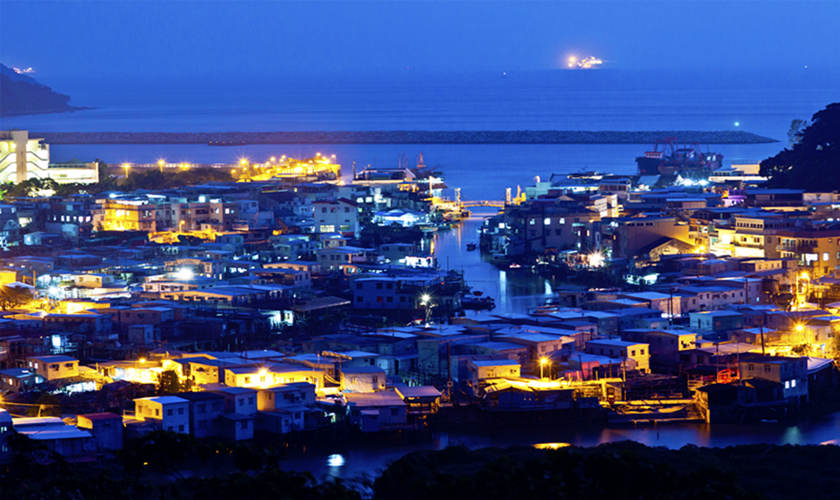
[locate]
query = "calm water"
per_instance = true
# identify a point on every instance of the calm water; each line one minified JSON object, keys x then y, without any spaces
{"x":764,"y":103}
{"x":372,"y":458}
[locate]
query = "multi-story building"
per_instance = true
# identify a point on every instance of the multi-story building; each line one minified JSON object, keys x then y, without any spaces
{"x":125,"y":215}
{"x":638,"y":352}
{"x":170,"y":413}
{"x":338,"y":216}
{"x":23,"y":157}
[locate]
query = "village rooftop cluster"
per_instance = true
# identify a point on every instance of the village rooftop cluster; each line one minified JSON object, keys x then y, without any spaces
{"x":289,"y":304}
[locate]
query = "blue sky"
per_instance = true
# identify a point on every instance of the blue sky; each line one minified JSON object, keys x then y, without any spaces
{"x":271,"y":38}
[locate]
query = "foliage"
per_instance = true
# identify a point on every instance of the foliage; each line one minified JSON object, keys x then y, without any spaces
{"x":618,"y":470}
{"x":13,"y":296}
{"x":168,"y":382}
{"x":149,"y":178}
{"x":152,"y":467}
{"x":795,"y":132}
{"x":812,"y":162}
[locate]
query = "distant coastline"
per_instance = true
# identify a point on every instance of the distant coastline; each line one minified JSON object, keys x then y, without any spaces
{"x":408,"y":137}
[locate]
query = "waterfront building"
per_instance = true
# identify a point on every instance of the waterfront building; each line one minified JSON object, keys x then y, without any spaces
{"x":23,"y":157}
{"x":637,"y":352}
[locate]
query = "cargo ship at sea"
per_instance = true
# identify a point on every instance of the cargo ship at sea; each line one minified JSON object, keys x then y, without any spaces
{"x":670,"y":159}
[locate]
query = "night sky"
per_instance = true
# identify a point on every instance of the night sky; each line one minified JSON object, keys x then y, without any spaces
{"x":269,"y":38}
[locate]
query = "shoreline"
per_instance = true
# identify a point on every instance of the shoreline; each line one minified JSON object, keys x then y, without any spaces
{"x":407,"y":137}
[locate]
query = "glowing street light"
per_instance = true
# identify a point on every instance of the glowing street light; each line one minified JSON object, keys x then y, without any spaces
{"x":426,"y":302}
{"x":544,"y":361}
{"x":126,"y":166}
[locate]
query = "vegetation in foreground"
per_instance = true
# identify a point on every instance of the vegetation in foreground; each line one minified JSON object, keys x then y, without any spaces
{"x":812,"y":160}
{"x":165,"y":465}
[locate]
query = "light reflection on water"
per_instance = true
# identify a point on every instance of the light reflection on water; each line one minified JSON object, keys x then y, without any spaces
{"x":515,"y":291}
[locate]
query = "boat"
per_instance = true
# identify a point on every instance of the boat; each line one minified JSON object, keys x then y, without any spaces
{"x":471,"y":247}
{"x":477,"y":303}
{"x":674,"y":160}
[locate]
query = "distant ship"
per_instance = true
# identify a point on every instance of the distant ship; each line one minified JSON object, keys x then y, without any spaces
{"x":674,"y":160}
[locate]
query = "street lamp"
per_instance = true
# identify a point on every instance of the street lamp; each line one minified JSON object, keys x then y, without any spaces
{"x":126,"y":166}
{"x":543,"y":362}
{"x":426,"y":302}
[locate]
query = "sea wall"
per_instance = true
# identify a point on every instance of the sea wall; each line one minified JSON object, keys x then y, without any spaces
{"x":407,"y":137}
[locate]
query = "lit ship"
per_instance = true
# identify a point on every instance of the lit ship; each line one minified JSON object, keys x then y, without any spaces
{"x":674,"y":160}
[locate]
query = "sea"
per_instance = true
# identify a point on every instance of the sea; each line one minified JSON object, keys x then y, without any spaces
{"x":762,"y":102}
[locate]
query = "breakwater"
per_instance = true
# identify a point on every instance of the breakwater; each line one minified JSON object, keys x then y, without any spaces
{"x":408,"y":137}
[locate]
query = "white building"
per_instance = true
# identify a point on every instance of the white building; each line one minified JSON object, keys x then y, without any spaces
{"x":339,"y":216}
{"x":171,"y":413}
{"x":22,"y":158}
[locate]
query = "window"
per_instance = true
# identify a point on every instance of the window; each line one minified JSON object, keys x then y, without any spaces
{"x":181,"y":428}
{"x":793,"y":383}
{"x":157,"y":412}
{"x":547,"y":221}
{"x":180,"y":411}
{"x":169,"y":412}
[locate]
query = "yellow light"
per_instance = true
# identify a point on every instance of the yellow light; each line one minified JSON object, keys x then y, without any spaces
{"x":596,"y":259}
{"x":273,"y":159}
{"x":142,"y":360}
{"x":799,"y":327}
{"x":804,"y":275}
{"x":161,"y":162}
{"x":544,"y":361}
{"x":243,"y":161}
{"x":551,"y":446}
{"x":425,"y":298}
{"x":572,"y":61}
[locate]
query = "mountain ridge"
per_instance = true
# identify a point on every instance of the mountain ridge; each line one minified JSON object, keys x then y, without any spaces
{"x":23,"y":95}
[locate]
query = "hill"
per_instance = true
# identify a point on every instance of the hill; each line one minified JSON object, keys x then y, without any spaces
{"x":23,"y":95}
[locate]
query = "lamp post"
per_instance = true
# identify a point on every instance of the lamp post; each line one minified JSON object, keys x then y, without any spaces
{"x":426,"y":302}
{"x":543,"y":362}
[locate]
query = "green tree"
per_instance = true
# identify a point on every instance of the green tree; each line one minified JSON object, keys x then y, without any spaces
{"x":14,"y":296}
{"x":168,"y":382}
{"x":812,"y":162}
{"x":795,"y":132}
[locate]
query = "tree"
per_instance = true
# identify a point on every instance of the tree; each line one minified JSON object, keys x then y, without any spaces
{"x":812,"y":162}
{"x":795,"y":132}
{"x":168,"y":382}
{"x":14,"y":296}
